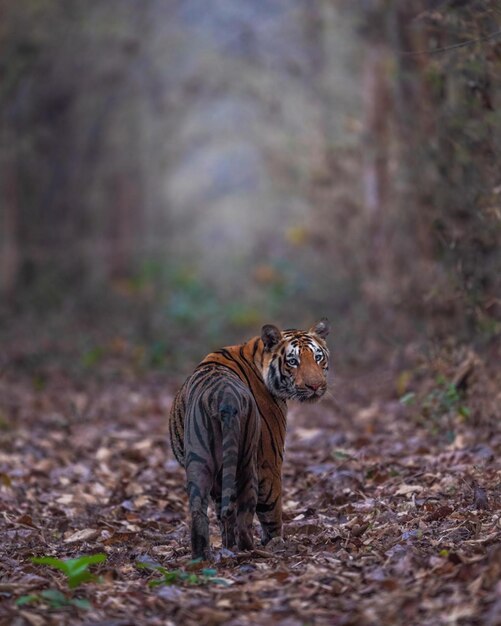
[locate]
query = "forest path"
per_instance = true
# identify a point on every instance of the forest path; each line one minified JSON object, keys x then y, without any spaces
{"x":385,"y":521}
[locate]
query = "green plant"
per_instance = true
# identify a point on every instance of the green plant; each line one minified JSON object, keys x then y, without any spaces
{"x":444,"y":400}
{"x":439,"y":408}
{"x":408,"y":398}
{"x":205,"y":576}
{"x":76,"y":570}
{"x":55,"y":599}
{"x":93,"y":357}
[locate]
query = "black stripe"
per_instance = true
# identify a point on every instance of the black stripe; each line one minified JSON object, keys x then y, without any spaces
{"x":201,"y":439}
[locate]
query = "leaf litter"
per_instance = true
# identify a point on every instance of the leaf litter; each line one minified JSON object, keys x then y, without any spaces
{"x":391,"y":509}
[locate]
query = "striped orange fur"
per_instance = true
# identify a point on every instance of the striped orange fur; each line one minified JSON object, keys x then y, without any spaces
{"x":227,"y":429}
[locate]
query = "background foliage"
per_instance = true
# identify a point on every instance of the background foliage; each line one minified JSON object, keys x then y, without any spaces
{"x":176,"y":174}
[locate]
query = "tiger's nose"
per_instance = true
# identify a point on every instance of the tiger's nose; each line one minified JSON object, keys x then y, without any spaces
{"x":314,"y":386}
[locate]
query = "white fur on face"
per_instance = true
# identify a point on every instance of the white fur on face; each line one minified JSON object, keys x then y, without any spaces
{"x":293,"y":352}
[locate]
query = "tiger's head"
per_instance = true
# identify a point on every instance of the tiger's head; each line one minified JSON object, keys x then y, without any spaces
{"x":295,"y":362}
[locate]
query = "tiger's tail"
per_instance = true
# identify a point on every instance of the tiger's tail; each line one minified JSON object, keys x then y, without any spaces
{"x":230,"y":426}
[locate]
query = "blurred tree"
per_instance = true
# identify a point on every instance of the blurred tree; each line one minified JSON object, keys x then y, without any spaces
{"x":254,"y":144}
{"x":9,"y":250}
{"x":442,"y":242}
{"x":377,"y":103}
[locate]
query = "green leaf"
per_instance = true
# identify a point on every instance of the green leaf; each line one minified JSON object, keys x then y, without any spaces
{"x":408,"y":398}
{"x":79,"y":565}
{"x":151,"y":566}
{"x":81,"y":603}
{"x":52,"y":562}
{"x":340,"y":454}
{"x":76,"y":570}
{"x":221,"y":581}
{"x":93,"y":356}
{"x":177,"y":577}
{"x":29,"y":599}
{"x":208,"y":572}
{"x":169,"y":577}
{"x":84,"y":577}
{"x":53,"y":594}
{"x":54,"y":597}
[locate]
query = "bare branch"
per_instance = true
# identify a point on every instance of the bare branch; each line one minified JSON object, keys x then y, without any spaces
{"x":462,"y":44}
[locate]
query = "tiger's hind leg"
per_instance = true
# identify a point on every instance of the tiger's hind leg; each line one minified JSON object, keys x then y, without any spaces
{"x":227,"y":525}
{"x":230,"y":415}
{"x":247,"y":483}
{"x":199,"y":483}
{"x":246,"y":508}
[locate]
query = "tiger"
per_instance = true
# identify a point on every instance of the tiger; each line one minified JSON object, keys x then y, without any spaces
{"x":227,"y":428}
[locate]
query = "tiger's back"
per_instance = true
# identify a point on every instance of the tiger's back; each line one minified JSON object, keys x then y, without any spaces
{"x":214,"y":430}
{"x":239,"y":361}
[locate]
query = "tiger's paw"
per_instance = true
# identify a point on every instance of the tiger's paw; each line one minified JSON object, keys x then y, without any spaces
{"x":223,"y":554}
{"x":277,"y":544}
{"x":270,"y":532}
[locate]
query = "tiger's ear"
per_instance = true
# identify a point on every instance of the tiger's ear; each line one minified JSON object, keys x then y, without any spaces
{"x":270,"y":336}
{"x":321,"y":328}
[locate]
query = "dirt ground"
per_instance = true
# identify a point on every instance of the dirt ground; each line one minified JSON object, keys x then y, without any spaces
{"x":392,"y":490}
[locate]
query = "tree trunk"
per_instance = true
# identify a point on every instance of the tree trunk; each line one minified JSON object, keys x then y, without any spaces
{"x":9,"y":249}
{"x":376,"y":149}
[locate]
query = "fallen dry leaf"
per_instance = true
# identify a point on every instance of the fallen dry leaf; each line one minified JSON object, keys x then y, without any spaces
{"x":382,"y":525}
{"x":85,"y":534}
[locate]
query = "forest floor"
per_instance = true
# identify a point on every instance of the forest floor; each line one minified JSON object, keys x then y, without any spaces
{"x":392,"y":493}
